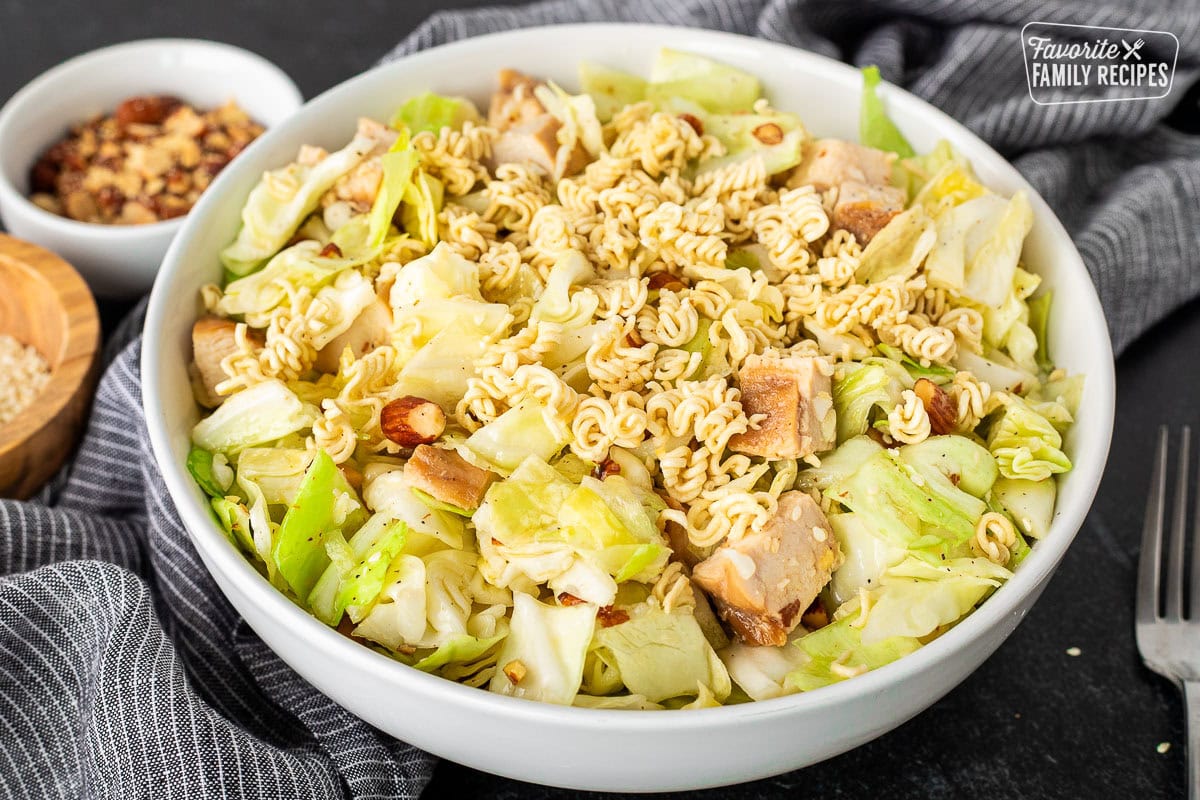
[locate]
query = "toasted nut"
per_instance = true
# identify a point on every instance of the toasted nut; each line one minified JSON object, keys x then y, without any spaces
{"x":147,"y":110}
{"x":606,"y":468}
{"x":815,"y":617}
{"x":515,"y":671}
{"x":768,"y":133}
{"x":696,"y":124}
{"x":938,"y":405}
{"x":665,"y":280}
{"x":409,"y":421}
{"x":331,"y":250}
{"x":609,"y":616}
{"x":568,"y":599}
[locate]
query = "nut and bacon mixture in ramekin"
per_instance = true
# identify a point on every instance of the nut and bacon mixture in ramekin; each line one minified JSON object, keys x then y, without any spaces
{"x":148,"y":161}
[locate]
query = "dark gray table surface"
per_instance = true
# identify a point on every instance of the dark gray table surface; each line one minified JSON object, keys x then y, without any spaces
{"x":1033,"y":721}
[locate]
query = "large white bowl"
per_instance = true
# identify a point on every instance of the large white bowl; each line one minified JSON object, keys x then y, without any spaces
{"x":586,"y":748}
{"x":122,"y":260}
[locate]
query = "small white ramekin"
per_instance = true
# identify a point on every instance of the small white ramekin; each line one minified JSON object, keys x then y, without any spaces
{"x":122,"y":260}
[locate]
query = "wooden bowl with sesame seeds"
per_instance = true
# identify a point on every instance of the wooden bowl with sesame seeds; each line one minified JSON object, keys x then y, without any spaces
{"x":45,"y":304}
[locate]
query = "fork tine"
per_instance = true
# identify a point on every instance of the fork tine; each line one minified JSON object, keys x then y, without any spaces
{"x":1149,"y":564}
{"x":1194,"y":601}
{"x":1178,"y":530}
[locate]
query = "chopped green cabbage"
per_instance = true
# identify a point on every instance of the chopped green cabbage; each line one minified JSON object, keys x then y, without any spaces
{"x":624,"y":702}
{"x":358,"y":570}
{"x":1066,"y":391}
{"x":915,"y":598}
{"x":1026,"y":444}
{"x":867,"y":557}
{"x":907,"y":512}
{"x":835,"y":466}
{"x":582,"y":539}
{"x":550,"y":643}
{"x":898,"y":250}
{"x":398,"y":165}
{"x":278,"y":472}
{"x":717,"y":87}
{"x":391,"y":493}
{"x":875,"y":127}
{"x":915,"y":370}
{"x":200,"y":465}
{"x":737,"y":133}
{"x":262,"y":413}
{"x":282,"y":200}
{"x":460,"y":649}
{"x":556,"y":303}
{"x":610,"y":89}
{"x":837,"y":652}
{"x":856,"y":392}
{"x":993,"y":248}
{"x":398,"y":617}
{"x":528,"y":430}
{"x":661,"y":655}
{"x":422,"y":202}
{"x":1039,"y":316}
{"x":957,"y":459}
{"x":300,"y":266}
{"x":761,"y":672}
{"x":235,"y":521}
{"x":432,"y":112}
{"x":325,"y":504}
{"x":997,"y":370}
{"x":1029,"y":503}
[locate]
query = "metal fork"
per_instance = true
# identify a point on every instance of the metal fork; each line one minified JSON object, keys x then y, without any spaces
{"x":1170,"y":641}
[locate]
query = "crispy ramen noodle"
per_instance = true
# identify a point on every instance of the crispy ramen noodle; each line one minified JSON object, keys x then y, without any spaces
{"x":994,"y":538}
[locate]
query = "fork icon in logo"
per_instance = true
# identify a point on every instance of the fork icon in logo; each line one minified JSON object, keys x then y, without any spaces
{"x":1132,"y":49}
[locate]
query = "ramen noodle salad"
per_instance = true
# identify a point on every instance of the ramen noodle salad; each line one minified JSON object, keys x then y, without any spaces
{"x":644,"y":397}
{"x":25,"y":374}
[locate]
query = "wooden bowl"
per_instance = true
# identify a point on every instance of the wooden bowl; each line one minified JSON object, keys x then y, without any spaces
{"x":45,"y":303}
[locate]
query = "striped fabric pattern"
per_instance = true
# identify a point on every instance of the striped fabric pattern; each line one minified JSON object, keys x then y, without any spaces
{"x":125,"y":674}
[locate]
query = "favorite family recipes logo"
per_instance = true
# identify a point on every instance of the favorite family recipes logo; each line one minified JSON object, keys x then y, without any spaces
{"x":1084,"y":64}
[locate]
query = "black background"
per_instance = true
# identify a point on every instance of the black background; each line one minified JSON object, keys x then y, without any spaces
{"x":1033,"y":721}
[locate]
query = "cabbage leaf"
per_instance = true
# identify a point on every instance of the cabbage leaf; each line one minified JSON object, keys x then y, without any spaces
{"x":324,"y":504}
{"x":432,"y":112}
{"x":281,"y":201}
{"x":550,"y":644}
{"x":1025,"y":443}
{"x":661,"y":654}
{"x":262,"y":413}
{"x":875,"y":127}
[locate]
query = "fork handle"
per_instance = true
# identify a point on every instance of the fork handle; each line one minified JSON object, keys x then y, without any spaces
{"x":1191,"y":696}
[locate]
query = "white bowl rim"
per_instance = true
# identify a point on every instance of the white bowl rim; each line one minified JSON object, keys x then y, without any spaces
{"x":29,"y":93}
{"x":1005,"y":601}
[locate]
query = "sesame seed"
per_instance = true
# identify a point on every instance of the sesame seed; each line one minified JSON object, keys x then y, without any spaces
{"x":819,"y":534}
{"x":1163,"y":747}
{"x":1074,"y":652}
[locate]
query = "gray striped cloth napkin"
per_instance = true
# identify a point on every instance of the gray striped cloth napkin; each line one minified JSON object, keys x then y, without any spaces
{"x":123,"y":671}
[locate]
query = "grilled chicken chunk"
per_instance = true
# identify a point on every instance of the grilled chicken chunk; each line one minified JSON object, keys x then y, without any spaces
{"x":535,"y":141}
{"x":447,"y":476}
{"x":865,"y":209}
{"x":370,"y":329}
{"x":513,"y":103}
{"x":796,"y":395}
{"x":528,"y":133}
{"x":212,"y":340}
{"x":763,"y":582}
{"x":828,"y":163}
